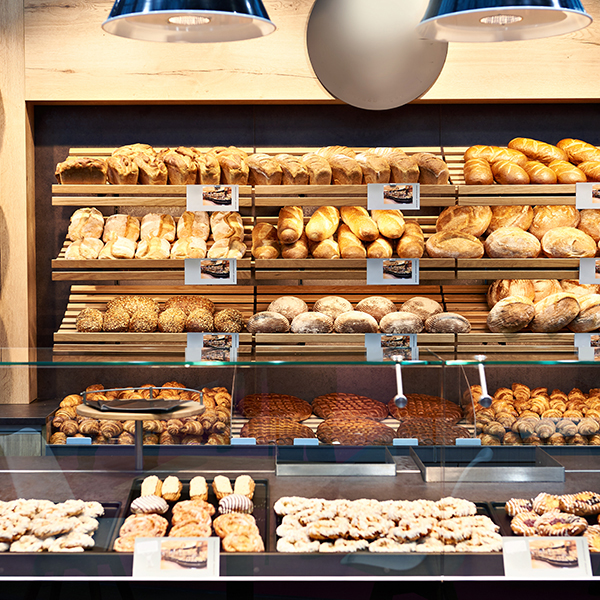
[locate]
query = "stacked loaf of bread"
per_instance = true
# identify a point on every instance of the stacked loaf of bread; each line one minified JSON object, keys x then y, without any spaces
{"x":350,"y":232}
{"x":372,"y":314}
{"x":515,"y":232}
{"x":142,"y":314}
{"x":339,"y":165}
{"x":212,"y":427}
{"x":527,"y":161}
{"x":522,"y":415}
{"x":543,"y":305}
{"x":156,"y":236}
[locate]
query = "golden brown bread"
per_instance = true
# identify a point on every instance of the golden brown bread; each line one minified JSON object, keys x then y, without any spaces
{"x":86,"y":248}
{"x":227,"y":225}
{"x":503,"y":288}
{"x":359,"y":221}
{"x":389,"y":222}
{"x":227,"y":248}
{"x":588,"y":318}
{"x":327,"y":248}
{"x":480,"y":151}
{"x":82,"y":170}
{"x":454,"y":244}
{"x":591,"y":169}
{"x":554,"y":312}
{"x":293,"y":171}
{"x":217,"y":150}
{"x":509,"y":173}
{"x":329,"y":151}
{"x":510,"y":216}
{"x":403,"y":168}
{"x":152,"y":170}
{"x":350,"y":245}
{"x":157,"y":225}
{"x":546,"y":218}
{"x":375,"y":168}
{"x":208,"y":168}
{"x":432,"y":170}
{"x":538,"y":151}
{"x":412,"y":242}
{"x":298,"y":249}
{"x":133,"y":149}
{"x":234,"y":168}
{"x":264,"y":170}
{"x":510,"y":314}
{"x":121,"y":226}
{"x":512,"y":242}
{"x":495,"y":153}
{"x":122,"y":170}
{"x":545,"y":287}
{"x":568,"y":242}
{"x":566,"y":172}
{"x":345,"y":170}
{"x":323,"y":224}
{"x":318,"y":167}
{"x":477,"y":171}
{"x":193,"y":224}
{"x":473,"y":220}
{"x":579,"y":151}
{"x":153,"y":248}
{"x":539,"y":173}
{"x":265,"y":243}
{"x":290,"y":224}
{"x":188,"y":247}
{"x":85,"y":223}
{"x":181,"y":165}
{"x":117,"y":247}
{"x":380,"y":248}
{"x":579,"y":289}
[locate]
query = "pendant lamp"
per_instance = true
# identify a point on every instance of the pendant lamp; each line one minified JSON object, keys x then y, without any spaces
{"x":501,"y":20}
{"x":189,"y":20}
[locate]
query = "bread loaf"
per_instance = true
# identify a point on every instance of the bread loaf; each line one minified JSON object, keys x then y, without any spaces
{"x":478,"y":171}
{"x":510,"y":314}
{"x":359,"y":221}
{"x":509,"y":173}
{"x":375,"y":168}
{"x":234,"y":168}
{"x":510,"y":216}
{"x":293,"y":171}
{"x":193,"y":224}
{"x":546,"y":218}
{"x":412,"y":242}
{"x":401,"y":322}
{"x":264,"y":170}
{"x":495,"y":153}
{"x":208,"y":168}
{"x":265,"y":243}
{"x":473,"y":220}
{"x":422,"y":307}
{"x":539,"y":173}
{"x":85,"y":223}
{"x":579,"y":151}
{"x":432,"y":170}
{"x":538,"y":151}
{"x":355,"y":321}
{"x":447,"y":322}
{"x":181,"y":165}
{"x":454,"y":244}
{"x":568,"y":242}
{"x":157,"y":225}
{"x":329,"y":151}
{"x":328,"y":249}
{"x":345,"y":170}
{"x":387,"y":151}
{"x":121,"y":226}
{"x":588,"y":318}
{"x":153,"y":248}
{"x":319,"y":170}
{"x":231,"y":150}
{"x":479,"y":151}
{"x":567,"y":173}
{"x":298,"y":249}
{"x":589,"y":223}
{"x":118,"y":247}
{"x":84,"y":249}
{"x":188,"y":247}
{"x":288,"y":306}
{"x":389,"y":222}
{"x":290,"y":224}
{"x":350,"y":245}
{"x":227,"y":248}
{"x":225,"y":224}
{"x":376,"y":306}
{"x":572,"y":286}
{"x":380,"y":248}
{"x":312,"y":322}
{"x":545,"y":287}
{"x":333,"y":306}
{"x":503,"y":288}
{"x":323,"y":224}
{"x":591,"y":169}
{"x":133,"y":149}
{"x":403,"y":168}
{"x":151,"y":170}
{"x":512,"y":242}
{"x":554,"y":312}
{"x":268,"y":322}
{"x":81,"y":170}
{"x":122,"y":170}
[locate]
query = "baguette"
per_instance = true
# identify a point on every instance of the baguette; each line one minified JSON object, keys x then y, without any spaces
{"x":567,"y":173}
{"x":539,"y":173}
{"x":327,"y":248}
{"x":298,"y":249}
{"x":380,"y":248}
{"x":350,"y":245}
{"x":478,"y":171}
{"x":359,"y":221}
{"x":389,"y":222}
{"x":323,"y":224}
{"x":579,"y":151}
{"x":412,"y":242}
{"x":375,"y":168}
{"x":290,"y":224}
{"x":509,"y":173}
{"x":538,"y":151}
{"x":265,"y":243}
{"x":319,"y":169}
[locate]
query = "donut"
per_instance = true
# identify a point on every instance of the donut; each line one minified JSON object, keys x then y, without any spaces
{"x":560,"y":524}
{"x":288,"y":505}
{"x":243,"y":542}
{"x":518,"y":505}
{"x":524,"y":523}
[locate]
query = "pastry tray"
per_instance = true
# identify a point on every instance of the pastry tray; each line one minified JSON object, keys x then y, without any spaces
{"x":260,"y":500}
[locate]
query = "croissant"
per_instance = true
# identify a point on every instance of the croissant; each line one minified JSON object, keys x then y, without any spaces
{"x":588,"y":427}
{"x":545,"y":428}
{"x":494,"y":428}
{"x":68,"y":412}
{"x":192,"y":428}
{"x":129,"y":426}
{"x":174,"y":426}
{"x":166,"y":439}
{"x":126,"y":437}
{"x":58,"y":438}
{"x":153,"y":426}
{"x":512,"y":439}
{"x":192,"y":440}
{"x":150,"y":439}
{"x":89,"y":427}
{"x":111,"y":429}
{"x":69,"y":428}
{"x":566,"y":427}
{"x":208,"y":419}
{"x":218,"y":439}
{"x":71,"y":400}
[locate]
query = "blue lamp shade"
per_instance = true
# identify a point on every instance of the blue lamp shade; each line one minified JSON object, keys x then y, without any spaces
{"x":501,"y":20}
{"x":189,"y":20}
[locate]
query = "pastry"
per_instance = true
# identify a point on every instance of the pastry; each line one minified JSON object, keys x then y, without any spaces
{"x":272,"y":430}
{"x":221,"y":486}
{"x":151,"y":486}
{"x":149,"y":504}
{"x":244,"y":485}
{"x":235,"y":503}
{"x":354,"y":431}
{"x":280,"y":405}
{"x":427,"y":407}
{"x":341,"y":404}
{"x":198,"y":488}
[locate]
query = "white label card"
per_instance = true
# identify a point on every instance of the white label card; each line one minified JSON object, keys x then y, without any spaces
{"x":217,"y":347}
{"x":589,"y":270}
{"x":210,"y":271}
{"x":176,"y":558}
{"x":392,"y":271}
{"x":588,"y":346}
{"x":388,"y":196}
{"x":212,"y":198}
{"x":587,"y":195}
{"x":383,"y":346}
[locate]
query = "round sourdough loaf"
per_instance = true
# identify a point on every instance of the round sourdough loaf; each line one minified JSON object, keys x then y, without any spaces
{"x":447,"y":323}
{"x":332,"y":306}
{"x":355,"y":321}
{"x":288,"y":306}
{"x":376,"y":306}
{"x":572,"y":286}
{"x":422,"y":307}
{"x":473,"y":220}
{"x":401,"y":322}
{"x":312,"y":322}
{"x":454,"y":244}
{"x":510,"y":216}
{"x":545,"y":287}
{"x":510,"y":314}
{"x":512,"y":242}
{"x":268,"y":322}
{"x":590,"y":223}
{"x":554,"y":312}
{"x":588,"y":318}
{"x":568,"y":242}
{"x":546,"y":218}
{"x":502,"y":288}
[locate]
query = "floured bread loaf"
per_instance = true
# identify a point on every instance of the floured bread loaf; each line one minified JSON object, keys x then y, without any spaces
{"x":154,"y":248}
{"x":311,"y":322}
{"x":227,"y":225}
{"x":288,"y":306}
{"x":590,"y":223}
{"x":447,"y":323}
{"x":510,"y":216}
{"x":546,"y":218}
{"x":422,"y":307}
{"x":333,"y":306}
{"x":588,"y":318}
{"x":193,"y":224}
{"x":85,"y":223}
{"x":503,"y":288}
{"x":512,"y":242}
{"x":158,"y":225}
{"x":84,"y":249}
{"x":401,"y":322}
{"x":268,"y":322}
{"x":355,"y":322}
{"x":473,"y":220}
{"x":568,"y":242}
{"x":454,"y":244}
{"x":118,"y":247}
{"x":376,"y":306}
{"x":554,"y":312}
{"x":510,"y":314}
{"x":189,"y":247}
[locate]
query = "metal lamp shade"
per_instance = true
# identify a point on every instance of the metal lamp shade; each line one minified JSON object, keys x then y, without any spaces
{"x":189,"y":20}
{"x":501,"y":20}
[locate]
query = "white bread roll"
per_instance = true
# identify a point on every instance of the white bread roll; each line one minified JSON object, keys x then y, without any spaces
{"x":554,"y":312}
{"x":510,"y":314}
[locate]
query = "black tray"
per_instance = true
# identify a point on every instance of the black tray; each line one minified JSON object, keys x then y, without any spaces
{"x":260,"y":500}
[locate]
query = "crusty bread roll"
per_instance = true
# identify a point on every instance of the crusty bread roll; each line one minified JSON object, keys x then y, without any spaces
{"x":267,"y":322}
{"x":478,"y":171}
{"x":264,"y":170}
{"x":312,"y":322}
{"x":345,"y":170}
{"x":153,"y":248}
{"x":298,"y":249}
{"x":323,"y":224}
{"x":209,"y":170}
{"x":539,"y":173}
{"x":117,"y":247}
{"x":359,"y":221}
{"x":188,"y":247}
{"x":589,"y":223}
{"x":328,"y":249}
{"x":376,"y":306}
{"x":588,"y":318}
{"x":350,"y":245}
{"x":503,"y":288}
{"x":265,"y":244}
{"x":234,"y":168}
{"x":122,"y":170}
{"x":288,"y":306}
{"x":332,"y":306}
{"x":290,"y":224}
{"x":152,"y":170}
{"x":86,"y":248}
{"x":390,"y":223}
{"x":512,"y":242}
{"x":473,"y":220}
{"x":77,"y":170}
{"x":181,"y":165}
{"x":227,"y":248}
{"x":567,"y":173}
{"x":432,"y":170}
{"x":157,"y":225}
{"x":591,"y":169}
{"x":318,"y":167}
{"x":568,"y":242}
{"x":509,"y":173}
{"x":380,"y":248}
{"x":401,"y":322}
{"x":546,"y":218}
{"x":412,"y":242}
{"x":375,"y":168}
{"x":572,"y":286}
{"x":447,"y":322}
{"x":554,"y":312}
{"x":454,"y":244}
{"x":293,"y":171}
{"x":422,"y":307}
{"x":355,"y":321}
{"x":510,"y":216}
{"x":538,"y":151}
{"x":224,"y":224}
{"x":545,"y":287}
{"x":510,"y":314}
{"x":85,"y":223}
{"x":579,"y":151}
{"x":193,"y":224}
{"x":495,"y":153}
{"x":479,"y":151}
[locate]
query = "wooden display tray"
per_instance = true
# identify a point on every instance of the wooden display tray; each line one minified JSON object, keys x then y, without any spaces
{"x":517,"y":268}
